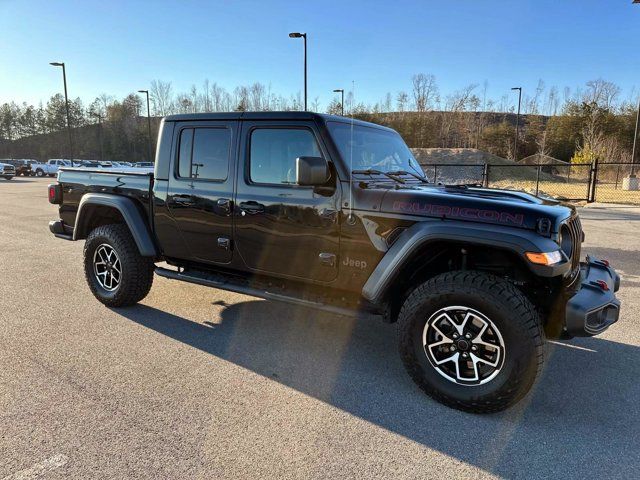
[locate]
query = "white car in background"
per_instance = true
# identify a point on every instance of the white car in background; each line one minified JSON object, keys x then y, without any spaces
{"x":50,"y":168}
{"x":7,"y":171}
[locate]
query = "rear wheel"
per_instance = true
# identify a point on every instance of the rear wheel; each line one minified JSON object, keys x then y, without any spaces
{"x":115,"y":271}
{"x":39,"y":173}
{"x":471,"y":341}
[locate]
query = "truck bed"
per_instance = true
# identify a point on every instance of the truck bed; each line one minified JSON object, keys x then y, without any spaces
{"x":78,"y":181}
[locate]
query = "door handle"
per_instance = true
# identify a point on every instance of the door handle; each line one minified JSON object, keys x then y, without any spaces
{"x":251,"y":207}
{"x":185,"y":200}
{"x":224,"y":205}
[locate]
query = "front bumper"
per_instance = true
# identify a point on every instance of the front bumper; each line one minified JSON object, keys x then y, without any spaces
{"x":594,"y":306}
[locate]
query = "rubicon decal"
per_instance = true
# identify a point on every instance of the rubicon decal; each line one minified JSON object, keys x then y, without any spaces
{"x":458,"y":212}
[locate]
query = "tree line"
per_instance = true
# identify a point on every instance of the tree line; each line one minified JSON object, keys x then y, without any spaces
{"x":593,"y":121}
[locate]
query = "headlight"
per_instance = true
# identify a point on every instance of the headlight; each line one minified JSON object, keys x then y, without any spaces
{"x":547,"y":258}
{"x":566,"y":241}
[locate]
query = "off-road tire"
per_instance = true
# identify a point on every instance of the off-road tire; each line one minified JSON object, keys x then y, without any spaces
{"x":137,"y":271}
{"x":39,"y":173}
{"x":512,"y":313}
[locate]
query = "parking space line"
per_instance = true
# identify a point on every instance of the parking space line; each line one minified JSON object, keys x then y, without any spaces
{"x":40,"y":468}
{"x":572,"y":346}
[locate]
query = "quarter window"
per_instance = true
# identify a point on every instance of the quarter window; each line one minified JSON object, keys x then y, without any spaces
{"x":204,"y":153}
{"x":274,"y":152}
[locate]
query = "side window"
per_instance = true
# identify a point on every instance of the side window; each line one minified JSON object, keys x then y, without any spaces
{"x":273,"y":153}
{"x":204,"y":153}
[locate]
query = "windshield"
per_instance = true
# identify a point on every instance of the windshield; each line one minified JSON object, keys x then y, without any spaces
{"x":371,"y":148}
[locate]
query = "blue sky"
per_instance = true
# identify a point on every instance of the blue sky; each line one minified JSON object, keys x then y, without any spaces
{"x":118,"y":47}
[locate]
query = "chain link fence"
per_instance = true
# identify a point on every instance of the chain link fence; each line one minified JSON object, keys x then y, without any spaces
{"x":599,"y":181}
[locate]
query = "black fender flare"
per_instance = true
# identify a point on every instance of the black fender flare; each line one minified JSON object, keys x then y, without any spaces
{"x":418,"y":235}
{"x":136,"y":222}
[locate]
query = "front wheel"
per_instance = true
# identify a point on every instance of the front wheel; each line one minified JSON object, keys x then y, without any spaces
{"x":117,"y":274}
{"x":471,"y":340}
{"x":39,"y":173}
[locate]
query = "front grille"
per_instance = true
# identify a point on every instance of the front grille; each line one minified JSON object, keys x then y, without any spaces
{"x":574,"y":228}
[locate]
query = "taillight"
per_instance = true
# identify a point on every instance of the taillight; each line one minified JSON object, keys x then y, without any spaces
{"x":55,"y":194}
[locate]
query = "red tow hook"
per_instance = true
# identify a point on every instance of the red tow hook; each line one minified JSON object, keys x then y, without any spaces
{"x":603,"y":285}
{"x":605,"y":262}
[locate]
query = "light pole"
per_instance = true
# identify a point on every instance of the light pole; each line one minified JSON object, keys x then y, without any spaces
{"x":635,"y":142}
{"x":341,"y":91}
{"x":304,"y":37}
{"x":66,"y":101}
{"x":99,"y":117}
{"x":515,"y":153}
{"x":148,"y":120}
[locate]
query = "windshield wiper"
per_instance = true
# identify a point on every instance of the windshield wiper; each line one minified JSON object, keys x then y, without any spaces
{"x":370,"y":171}
{"x":404,"y":172}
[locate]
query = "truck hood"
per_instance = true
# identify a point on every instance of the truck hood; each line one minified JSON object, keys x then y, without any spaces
{"x":481,"y":205}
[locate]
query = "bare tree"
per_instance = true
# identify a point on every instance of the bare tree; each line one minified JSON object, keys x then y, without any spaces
{"x":541,"y":143}
{"x":424,"y":91}
{"x":402,"y":99}
{"x":553,"y":101}
{"x":160,"y":93}
{"x":206,"y":96}
{"x":533,"y":102}
{"x":602,"y":93}
{"x":195,"y":99}
{"x":315,"y":104}
{"x":258,"y":97}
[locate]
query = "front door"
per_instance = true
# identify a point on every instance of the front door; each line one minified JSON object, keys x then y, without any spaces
{"x":283,"y":228}
{"x":201,"y":188}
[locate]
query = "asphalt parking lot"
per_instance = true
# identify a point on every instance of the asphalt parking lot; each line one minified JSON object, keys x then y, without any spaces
{"x":201,"y":383}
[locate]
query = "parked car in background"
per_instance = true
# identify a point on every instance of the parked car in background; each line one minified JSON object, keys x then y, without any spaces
{"x":7,"y":171}
{"x":122,"y":164}
{"x":22,"y":165}
{"x":143,"y":165}
{"x":50,"y":168}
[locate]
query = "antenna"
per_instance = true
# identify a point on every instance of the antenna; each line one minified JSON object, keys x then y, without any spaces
{"x":350,"y":218}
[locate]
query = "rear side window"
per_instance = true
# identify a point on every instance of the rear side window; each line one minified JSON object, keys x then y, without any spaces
{"x":274,"y":151}
{"x":204,"y":153}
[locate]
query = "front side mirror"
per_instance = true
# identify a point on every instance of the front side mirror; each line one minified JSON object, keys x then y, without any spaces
{"x":312,"y":171}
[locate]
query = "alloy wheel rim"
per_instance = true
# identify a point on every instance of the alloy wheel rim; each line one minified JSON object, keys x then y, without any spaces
{"x":463,"y":345}
{"x":107,"y":267}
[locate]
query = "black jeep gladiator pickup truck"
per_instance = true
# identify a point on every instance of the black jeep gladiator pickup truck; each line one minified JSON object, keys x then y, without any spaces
{"x":334,"y":213}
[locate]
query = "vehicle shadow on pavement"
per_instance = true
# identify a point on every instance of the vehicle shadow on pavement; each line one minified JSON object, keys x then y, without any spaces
{"x":582,"y":418}
{"x":24,"y":180}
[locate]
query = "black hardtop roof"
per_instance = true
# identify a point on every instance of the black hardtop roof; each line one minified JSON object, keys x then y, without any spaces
{"x":322,"y":117}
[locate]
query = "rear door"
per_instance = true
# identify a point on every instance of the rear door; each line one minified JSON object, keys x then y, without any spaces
{"x":200,"y":188}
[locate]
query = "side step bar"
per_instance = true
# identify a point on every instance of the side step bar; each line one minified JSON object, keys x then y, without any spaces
{"x":255,"y":292}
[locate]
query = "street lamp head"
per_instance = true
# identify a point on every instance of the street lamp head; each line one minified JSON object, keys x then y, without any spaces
{"x":338,"y":90}
{"x":57,"y":64}
{"x":143,"y":91}
{"x":516,"y":88}
{"x":297,"y":35}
